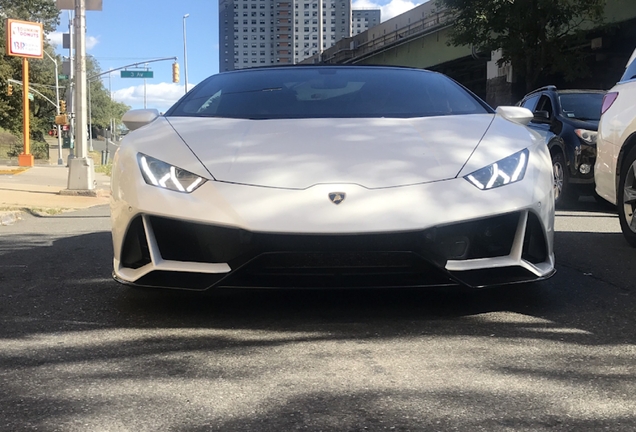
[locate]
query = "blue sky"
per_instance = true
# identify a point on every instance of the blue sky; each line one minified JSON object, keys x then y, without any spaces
{"x":131,"y":31}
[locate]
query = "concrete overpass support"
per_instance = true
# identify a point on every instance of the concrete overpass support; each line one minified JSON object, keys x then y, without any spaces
{"x":499,"y":81}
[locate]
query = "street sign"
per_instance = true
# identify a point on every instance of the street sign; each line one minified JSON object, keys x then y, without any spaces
{"x":136,"y":74}
{"x":62,"y":76}
{"x":30,"y":96}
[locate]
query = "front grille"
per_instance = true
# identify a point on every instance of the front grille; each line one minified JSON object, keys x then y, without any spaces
{"x":339,"y":269}
{"x":413,"y":258}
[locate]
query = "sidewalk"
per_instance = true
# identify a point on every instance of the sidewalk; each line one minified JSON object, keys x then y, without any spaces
{"x":38,"y":188}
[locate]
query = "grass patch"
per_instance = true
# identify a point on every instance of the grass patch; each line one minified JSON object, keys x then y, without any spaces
{"x":97,"y":163}
{"x":104,"y":169}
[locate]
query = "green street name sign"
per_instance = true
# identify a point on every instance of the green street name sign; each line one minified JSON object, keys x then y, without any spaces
{"x":62,"y":76}
{"x":136,"y":74}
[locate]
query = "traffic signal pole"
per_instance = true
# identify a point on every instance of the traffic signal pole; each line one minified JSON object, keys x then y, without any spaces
{"x":25,"y":159}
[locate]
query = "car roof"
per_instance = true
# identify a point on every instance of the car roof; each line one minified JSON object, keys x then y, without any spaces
{"x":552,"y":88}
{"x":327,"y":66}
{"x":570,"y":91}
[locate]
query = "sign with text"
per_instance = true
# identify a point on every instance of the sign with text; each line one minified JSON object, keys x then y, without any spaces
{"x":136,"y":74}
{"x":24,"y":39}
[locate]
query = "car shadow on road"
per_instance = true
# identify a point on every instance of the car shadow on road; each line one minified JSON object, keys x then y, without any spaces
{"x":78,"y":348}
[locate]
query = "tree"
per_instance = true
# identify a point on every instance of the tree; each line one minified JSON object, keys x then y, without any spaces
{"x":537,"y":37}
{"x":40,"y":71}
{"x":103,"y":108}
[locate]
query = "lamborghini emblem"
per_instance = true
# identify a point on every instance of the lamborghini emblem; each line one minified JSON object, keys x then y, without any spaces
{"x":337,"y":197}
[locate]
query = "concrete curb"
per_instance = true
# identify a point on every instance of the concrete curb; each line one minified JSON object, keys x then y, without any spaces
{"x":12,"y":171}
{"x":10,"y":217}
{"x":101,"y":193}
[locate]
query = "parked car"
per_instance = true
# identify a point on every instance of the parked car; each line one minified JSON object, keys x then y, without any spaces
{"x":331,"y":176}
{"x":573,"y":115}
{"x":615,"y":169}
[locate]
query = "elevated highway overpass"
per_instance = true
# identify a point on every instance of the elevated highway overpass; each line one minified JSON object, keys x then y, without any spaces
{"x":420,"y":38}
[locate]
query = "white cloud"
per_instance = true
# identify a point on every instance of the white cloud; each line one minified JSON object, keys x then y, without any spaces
{"x":160,"y":96}
{"x":91,"y":41}
{"x":389,"y":10}
{"x":55,"y":38}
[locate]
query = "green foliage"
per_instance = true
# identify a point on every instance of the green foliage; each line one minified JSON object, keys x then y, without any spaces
{"x":8,"y":143}
{"x":103,"y":108}
{"x":42,"y":77}
{"x":537,"y":37}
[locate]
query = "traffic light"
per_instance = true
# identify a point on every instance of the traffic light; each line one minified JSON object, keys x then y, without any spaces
{"x":9,"y":89}
{"x":62,"y":106}
{"x":175,"y":72}
{"x":61,"y":119}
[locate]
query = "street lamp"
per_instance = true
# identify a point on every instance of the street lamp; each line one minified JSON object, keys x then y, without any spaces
{"x":185,"y":54}
{"x":60,"y":161}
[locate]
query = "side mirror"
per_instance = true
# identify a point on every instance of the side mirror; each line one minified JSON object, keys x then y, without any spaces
{"x":134,"y":119}
{"x":541,"y":117}
{"x":516,"y":114}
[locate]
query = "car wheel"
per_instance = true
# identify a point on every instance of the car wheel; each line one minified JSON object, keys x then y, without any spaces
{"x":562,"y":190}
{"x":626,"y":199}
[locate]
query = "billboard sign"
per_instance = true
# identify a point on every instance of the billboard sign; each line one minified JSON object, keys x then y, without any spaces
{"x":24,"y":39}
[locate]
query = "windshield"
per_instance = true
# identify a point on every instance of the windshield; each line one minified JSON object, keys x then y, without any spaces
{"x":327,"y":92}
{"x":582,"y":106}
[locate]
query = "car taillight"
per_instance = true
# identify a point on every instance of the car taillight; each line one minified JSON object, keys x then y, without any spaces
{"x":608,"y":100}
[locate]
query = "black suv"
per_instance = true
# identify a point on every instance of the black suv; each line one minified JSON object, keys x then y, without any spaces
{"x":573,"y":115}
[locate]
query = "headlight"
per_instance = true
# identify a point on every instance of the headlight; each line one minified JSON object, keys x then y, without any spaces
{"x":586,"y":135}
{"x":503,"y":172}
{"x":163,"y":175}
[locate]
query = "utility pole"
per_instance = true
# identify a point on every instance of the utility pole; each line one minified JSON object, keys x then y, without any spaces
{"x":81,"y":172}
{"x":69,"y":98}
{"x":81,"y":175}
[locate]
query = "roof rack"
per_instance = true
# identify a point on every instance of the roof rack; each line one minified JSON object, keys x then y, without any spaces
{"x":548,"y":87}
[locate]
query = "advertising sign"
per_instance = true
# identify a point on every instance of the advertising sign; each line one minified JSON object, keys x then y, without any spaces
{"x":24,"y":39}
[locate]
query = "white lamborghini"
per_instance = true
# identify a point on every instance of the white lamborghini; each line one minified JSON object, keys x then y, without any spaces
{"x":331,"y":176}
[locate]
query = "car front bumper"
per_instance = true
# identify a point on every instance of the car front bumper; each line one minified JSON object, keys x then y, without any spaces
{"x":445,"y":233}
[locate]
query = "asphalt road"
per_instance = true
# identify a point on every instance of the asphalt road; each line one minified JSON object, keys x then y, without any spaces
{"x":78,"y":352}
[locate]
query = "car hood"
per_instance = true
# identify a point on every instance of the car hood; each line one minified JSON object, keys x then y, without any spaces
{"x":300,"y":153}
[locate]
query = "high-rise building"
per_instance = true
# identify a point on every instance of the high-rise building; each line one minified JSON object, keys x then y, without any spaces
{"x":266,"y":32}
{"x":364,"y":19}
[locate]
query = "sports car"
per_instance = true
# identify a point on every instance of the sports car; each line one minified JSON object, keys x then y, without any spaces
{"x":331,"y":176}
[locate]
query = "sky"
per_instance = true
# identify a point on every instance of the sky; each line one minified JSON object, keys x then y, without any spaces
{"x":134,"y":31}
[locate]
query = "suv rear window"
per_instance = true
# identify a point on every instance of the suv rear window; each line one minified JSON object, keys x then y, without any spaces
{"x":581,"y":106}
{"x":327,"y":92}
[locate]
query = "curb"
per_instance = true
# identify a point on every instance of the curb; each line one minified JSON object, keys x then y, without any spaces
{"x":95,"y":193}
{"x":13,"y":171}
{"x":9,"y":218}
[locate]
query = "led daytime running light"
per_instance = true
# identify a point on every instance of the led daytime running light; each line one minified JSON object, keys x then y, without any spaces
{"x":501,"y":173}
{"x":166,"y":176}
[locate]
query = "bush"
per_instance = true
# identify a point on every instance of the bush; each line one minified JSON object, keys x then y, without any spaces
{"x":9,"y":143}
{"x":40,"y":150}
{"x":11,"y":146}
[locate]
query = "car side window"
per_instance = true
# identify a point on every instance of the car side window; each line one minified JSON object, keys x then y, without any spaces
{"x":630,"y":72}
{"x":530,"y":103}
{"x":545,"y":104}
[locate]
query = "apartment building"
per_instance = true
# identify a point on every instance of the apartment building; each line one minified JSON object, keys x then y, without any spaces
{"x":363,"y":19}
{"x":268,"y":32}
